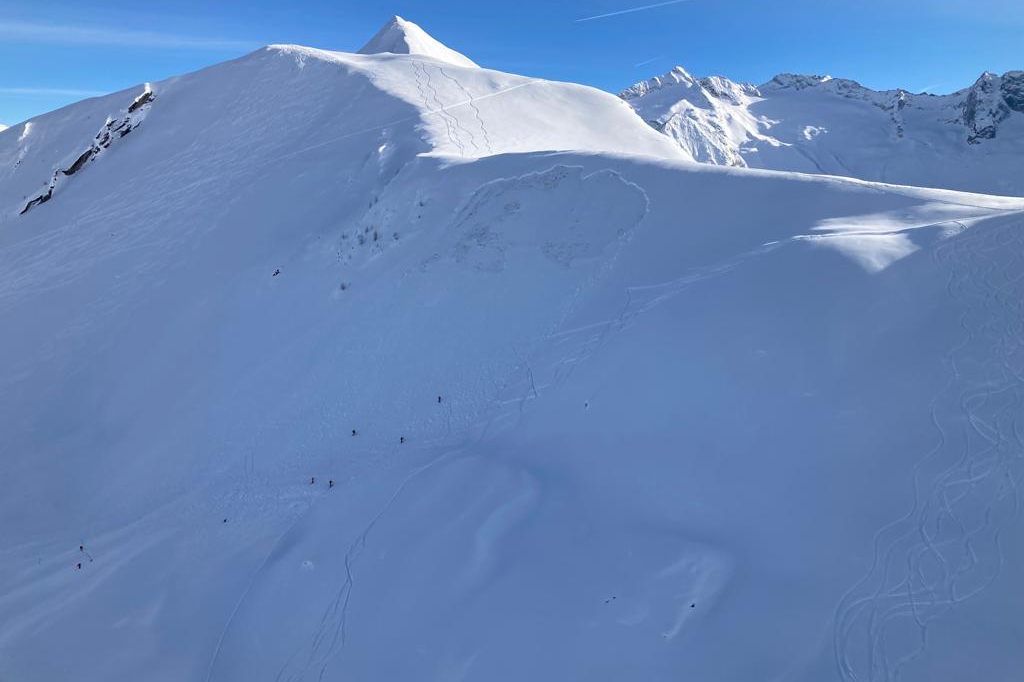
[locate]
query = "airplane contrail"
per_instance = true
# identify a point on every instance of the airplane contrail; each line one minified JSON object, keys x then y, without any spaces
{"x":648,"y":61}
{"x":631,"y":10}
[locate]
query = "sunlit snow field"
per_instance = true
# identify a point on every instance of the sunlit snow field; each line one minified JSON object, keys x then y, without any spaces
{"x":384,"y":367}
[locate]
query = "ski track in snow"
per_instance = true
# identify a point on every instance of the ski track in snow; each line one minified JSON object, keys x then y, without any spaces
{"x":456,"y":125}
{"x":331,"y":634}
{"x":425,"y":87}
{"x":423,"y":114}
{"x":946,"y":550}
{"x":474,"y":107}
{"x":641,"y":298}
{"x":248,"y":588}
{"x":524,"y":373}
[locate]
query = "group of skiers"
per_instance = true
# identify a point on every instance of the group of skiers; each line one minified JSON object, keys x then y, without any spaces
{"x":312,"y":481}
{"x":81,"y":550}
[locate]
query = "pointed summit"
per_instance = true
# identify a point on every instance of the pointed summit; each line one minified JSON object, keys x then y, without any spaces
{"x":399,"y":36}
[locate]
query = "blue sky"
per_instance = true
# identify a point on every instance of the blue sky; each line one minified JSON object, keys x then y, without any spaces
{"x":76,"y":49}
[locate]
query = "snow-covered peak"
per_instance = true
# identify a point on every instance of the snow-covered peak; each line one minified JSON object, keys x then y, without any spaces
{"x":3,"y":127}
{"x":696,"y":113}
{"x":796,"y":81}
{"x":400,"y":36}
{"x":679,"y":79}
{"x":677,"y":76}
{"x":829,"y":86}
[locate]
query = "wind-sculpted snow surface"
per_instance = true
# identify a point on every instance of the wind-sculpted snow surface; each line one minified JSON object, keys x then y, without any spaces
{"x":312,"y":378}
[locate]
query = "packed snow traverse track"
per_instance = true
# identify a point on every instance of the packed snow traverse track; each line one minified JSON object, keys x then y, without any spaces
{"x":388,"y":366}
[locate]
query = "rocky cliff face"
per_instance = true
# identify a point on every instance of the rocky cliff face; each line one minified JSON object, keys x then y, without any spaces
{"x":1012,"y":87}
{"x":984,"y":109}
{"x":989,"y":102}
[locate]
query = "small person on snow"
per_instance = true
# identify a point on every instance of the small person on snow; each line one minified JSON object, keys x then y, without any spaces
{"x":330,"y":484}
{"x":276,"y":272}
{"x":78,"y":566}
{"x":438,"y":399}
{"x":353,"y":432}
{"x":312,"y":480}
{"x":401,"y":439}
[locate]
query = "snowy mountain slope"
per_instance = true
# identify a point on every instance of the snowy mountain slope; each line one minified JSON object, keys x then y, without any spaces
{"x":970,"y":140}
{"x":588,"y":416}
{"x":376,"y":106}
{"x":3,"y":127}
{"x":400,"y":36}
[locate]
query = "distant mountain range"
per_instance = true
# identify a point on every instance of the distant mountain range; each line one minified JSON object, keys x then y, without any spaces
{"x":970,"y":140}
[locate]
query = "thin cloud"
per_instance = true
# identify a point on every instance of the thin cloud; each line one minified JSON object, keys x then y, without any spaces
{"x":631,"y":10}
{"x":55,"y":92}
{"x":63,"y":34}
